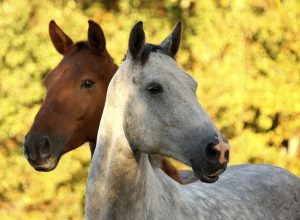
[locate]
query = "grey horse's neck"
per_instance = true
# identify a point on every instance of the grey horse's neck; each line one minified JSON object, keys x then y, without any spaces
{"x":124,"y":183}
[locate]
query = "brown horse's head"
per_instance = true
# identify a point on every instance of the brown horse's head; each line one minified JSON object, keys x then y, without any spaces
{"x":76,"y":91}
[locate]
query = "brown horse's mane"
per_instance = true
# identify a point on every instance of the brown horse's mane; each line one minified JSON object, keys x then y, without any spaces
{"x":78,"y":47}
{"x":81,"y":45}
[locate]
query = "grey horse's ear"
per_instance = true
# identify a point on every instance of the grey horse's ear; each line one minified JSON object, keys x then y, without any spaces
{"x":136,"y":40}
{"x":96,"y":37}
{"x":172,"y":42}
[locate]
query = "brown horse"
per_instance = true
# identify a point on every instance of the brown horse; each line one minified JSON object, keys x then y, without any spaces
{"x":76,"y":92}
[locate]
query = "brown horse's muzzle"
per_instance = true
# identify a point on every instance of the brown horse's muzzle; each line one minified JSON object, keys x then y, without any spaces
{"x":38,"y":150}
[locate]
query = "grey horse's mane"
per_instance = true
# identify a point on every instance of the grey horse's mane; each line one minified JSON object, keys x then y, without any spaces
{"x":148,"y":48}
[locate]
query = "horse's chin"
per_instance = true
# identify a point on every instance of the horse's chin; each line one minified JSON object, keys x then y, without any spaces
{"x":207,"y":179}
{"x":47,"y":167}
{"x":199,"y":174}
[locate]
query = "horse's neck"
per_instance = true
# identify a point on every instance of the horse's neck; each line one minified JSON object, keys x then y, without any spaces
{"x":120,"y":182}
{"x":92,"y":148}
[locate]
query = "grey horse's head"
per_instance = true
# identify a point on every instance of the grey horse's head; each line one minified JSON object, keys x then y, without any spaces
{"x":161,"y":114}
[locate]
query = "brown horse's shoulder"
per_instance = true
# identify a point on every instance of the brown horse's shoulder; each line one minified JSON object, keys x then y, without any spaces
{"x":92,"y":148}
{"x":170,"y":170}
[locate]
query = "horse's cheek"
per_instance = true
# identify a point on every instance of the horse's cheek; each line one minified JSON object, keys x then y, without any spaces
{"x":130,"y":126}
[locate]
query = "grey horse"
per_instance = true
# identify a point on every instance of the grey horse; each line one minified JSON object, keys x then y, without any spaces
{"x":151,"y":109}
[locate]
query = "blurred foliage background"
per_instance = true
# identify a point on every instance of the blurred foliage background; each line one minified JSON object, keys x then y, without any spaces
{"x":245,"y":55}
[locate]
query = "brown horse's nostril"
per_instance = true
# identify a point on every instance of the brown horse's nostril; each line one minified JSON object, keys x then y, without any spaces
{"x":29,"y":153}
{"x":26,"y":152}
{"x":45,"y":148}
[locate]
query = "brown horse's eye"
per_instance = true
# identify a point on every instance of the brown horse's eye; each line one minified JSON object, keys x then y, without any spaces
{"x":87,"y":84}
{"x":154,"y":88}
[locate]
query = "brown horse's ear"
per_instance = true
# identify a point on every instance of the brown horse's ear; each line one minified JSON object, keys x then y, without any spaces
{"x":96,"y":37}
{"x":60,"y":40}
{"x":136,"y":40}
{"x":172,"y":42}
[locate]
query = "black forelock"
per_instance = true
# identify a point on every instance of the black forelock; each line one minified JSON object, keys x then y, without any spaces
{"x":78,"y":47}
{"x":81,"y":45}
{"x":148,"y":48}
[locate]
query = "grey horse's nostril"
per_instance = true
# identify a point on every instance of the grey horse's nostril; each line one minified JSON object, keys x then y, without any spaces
{"x":212,"y":153}
{"x":227,"y":155}
{"x":45,"y":148}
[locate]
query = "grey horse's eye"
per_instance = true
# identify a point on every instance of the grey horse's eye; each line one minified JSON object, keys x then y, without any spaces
{"x":154,"y":88}
{"x":87,"y":84}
